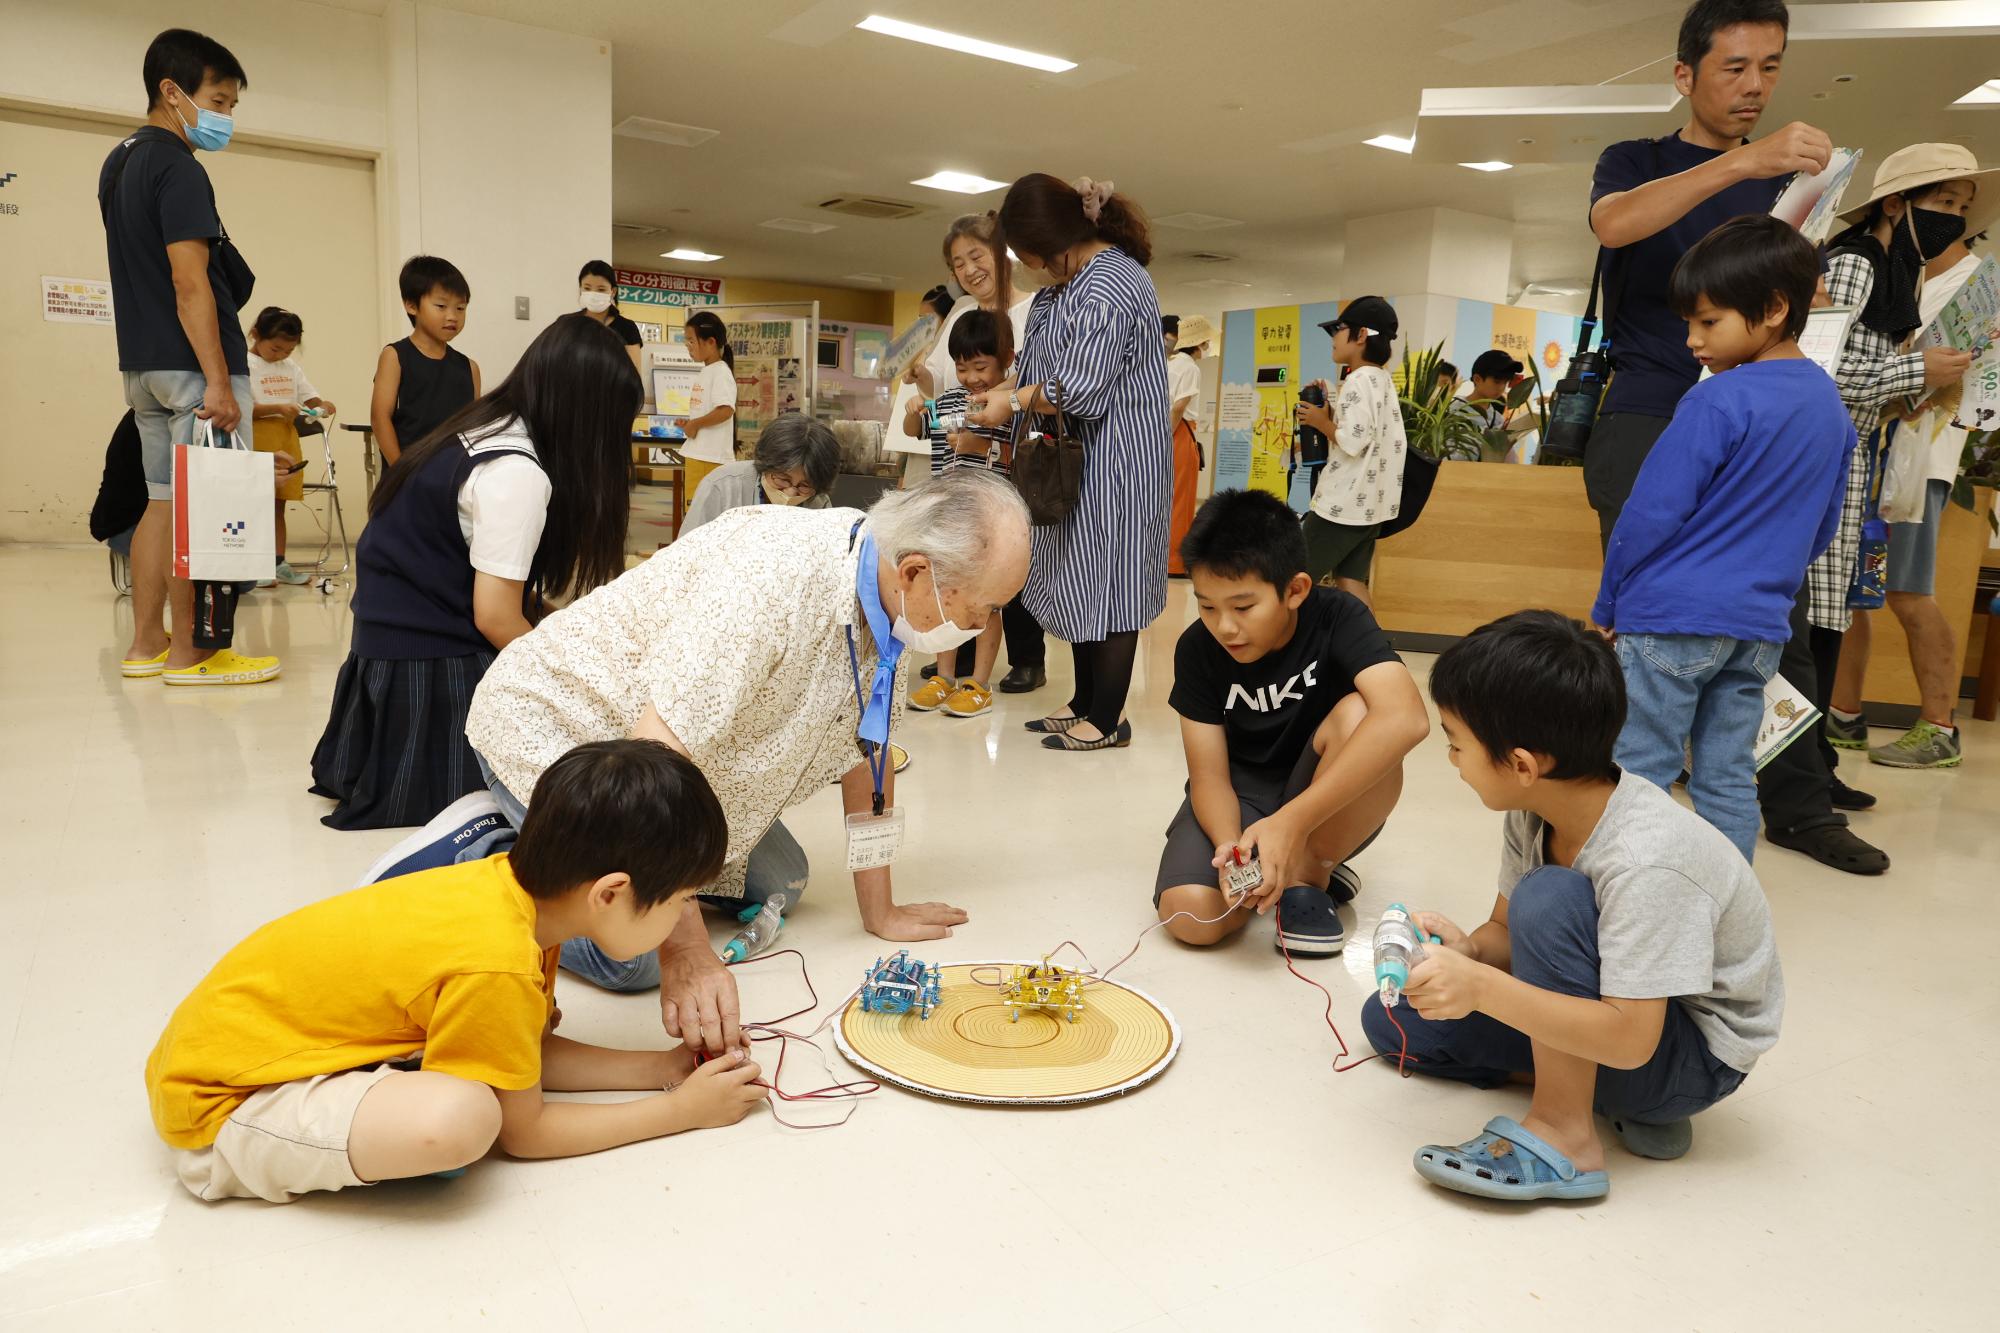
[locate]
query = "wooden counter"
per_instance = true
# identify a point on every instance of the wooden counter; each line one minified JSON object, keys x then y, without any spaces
{"x":1495,"y":538}
{"x":1500,"y":537}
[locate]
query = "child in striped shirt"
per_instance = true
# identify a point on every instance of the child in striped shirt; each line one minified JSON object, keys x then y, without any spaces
{"x":981,"y":344}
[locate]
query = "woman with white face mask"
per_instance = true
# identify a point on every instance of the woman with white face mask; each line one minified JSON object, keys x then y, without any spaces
{"x":796,"y":461}
{"x":597,"y":296}
{"x":769,"y":646}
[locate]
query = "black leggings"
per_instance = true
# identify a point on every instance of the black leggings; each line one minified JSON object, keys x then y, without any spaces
{"x":1103,"y":678}
{"x":1024,"y":637}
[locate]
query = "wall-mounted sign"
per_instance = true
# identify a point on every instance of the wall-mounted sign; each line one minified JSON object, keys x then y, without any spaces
{"x":641,"y":286}
{"x":76,"y":300}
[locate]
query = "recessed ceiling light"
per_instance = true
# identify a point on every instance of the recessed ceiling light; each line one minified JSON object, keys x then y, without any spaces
{"x":1843,"y":78}
{"x":958,"y":182}
{"x":1395,"y":143}
{"x":873,"y":279}
{"x":1197,"y":221}
{"x":690,"y":256}
{"x":1488,"y":166}
{"x":971,"y":46}
{"x":1551,"y":100}
{"x":1986,"y":94}
{"x":799,"y":225}
{"x":663,"y":131}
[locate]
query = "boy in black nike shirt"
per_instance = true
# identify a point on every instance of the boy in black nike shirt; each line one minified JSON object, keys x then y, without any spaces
{"x":1296,"y":715}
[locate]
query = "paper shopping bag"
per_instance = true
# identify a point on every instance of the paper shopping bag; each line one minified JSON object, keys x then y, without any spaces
{"x":224,"y":526}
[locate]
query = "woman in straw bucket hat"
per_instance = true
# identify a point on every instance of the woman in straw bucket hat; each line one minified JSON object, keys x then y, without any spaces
{"x":1187,"y":336}
{"x":1925,"y":198}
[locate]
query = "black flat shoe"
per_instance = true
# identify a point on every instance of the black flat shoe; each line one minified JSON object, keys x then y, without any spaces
{"x":1835,"y":847}
{"x":928,"y":671}
{"x":1117,"y":740}
{"x":1052,"y":726}
{"x":1023,"y":679}
{"x":1846,"y":798}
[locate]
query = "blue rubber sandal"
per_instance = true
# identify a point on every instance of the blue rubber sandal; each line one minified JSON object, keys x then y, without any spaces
{"x":1529,"y":1169}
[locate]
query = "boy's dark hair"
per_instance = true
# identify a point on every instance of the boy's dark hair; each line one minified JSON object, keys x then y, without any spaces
{"x":597,"y":268}
{"x":1446,"y":370}
{"x":274,"y":321}
{"x":1705,"y":18}
{"x":1170,"y":324}
{"x":1541,"y":682}
{"x":939,"y":301}
{"x":631,"y":806}
{"x":1746,"y":265}
{"x":981,"y":333}
{"x":190,"y":60}
{"x":1238,"y":534}
{"x":423,"y":274}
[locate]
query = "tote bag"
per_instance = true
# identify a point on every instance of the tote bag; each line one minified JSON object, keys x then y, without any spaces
{"x":224,"y":527}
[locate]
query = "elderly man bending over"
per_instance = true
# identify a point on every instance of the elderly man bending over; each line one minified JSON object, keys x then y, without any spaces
{"x":767,"y":647}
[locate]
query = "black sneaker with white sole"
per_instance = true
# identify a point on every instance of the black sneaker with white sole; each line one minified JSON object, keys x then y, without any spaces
{"x":1308,"y":927}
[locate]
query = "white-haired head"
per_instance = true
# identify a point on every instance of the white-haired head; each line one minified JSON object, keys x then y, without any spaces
{"x":956,"y":521}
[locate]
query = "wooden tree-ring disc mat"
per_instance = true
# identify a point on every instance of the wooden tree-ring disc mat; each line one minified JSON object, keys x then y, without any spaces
{"x":967,"y":1050}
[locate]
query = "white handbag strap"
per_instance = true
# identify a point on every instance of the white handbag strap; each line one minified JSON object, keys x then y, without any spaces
{"x":204,"y":435}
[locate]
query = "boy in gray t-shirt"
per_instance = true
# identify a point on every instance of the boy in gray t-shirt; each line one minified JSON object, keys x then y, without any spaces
{"x":1629,"y":963}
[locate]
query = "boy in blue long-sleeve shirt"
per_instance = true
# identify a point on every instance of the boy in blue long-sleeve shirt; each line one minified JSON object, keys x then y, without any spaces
{"x":1741,"y":493}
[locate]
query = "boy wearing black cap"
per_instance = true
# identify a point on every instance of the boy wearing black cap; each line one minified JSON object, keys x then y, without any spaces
{"x":1361,"y":486}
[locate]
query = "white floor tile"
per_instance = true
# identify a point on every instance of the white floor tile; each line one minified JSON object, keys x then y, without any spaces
{"x":147,"y":830}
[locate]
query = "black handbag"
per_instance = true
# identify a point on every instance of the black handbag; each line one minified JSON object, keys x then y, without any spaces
{"x":1048,"y":469}
{"x":1420,"y":473}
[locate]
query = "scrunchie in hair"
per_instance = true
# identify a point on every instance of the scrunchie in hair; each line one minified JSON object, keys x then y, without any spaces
{"x":1095,"y":195}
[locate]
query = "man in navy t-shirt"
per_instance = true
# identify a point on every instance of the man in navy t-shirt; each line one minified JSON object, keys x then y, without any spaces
{"x":1652,"y":199}
{"x":176,"y":287}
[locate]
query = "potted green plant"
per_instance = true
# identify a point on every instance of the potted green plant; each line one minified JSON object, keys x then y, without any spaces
{"x":1432,"y":421}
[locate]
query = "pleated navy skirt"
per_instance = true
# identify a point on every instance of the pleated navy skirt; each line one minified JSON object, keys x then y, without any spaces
{"x":394,"y":751}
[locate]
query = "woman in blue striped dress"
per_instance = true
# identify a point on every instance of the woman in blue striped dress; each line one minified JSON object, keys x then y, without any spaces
{"x":1093,"y":347}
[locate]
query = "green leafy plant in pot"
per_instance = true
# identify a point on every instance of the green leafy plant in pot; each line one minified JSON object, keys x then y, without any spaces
{"x":1434,"y":425}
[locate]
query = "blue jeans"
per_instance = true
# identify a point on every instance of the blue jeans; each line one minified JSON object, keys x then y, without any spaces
{"x":1552,"y":925}
{"x":1691,"y":692}
{"x":777,"y":864}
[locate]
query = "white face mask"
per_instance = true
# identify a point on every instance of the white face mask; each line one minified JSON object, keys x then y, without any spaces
{"x":595,"y":302}
{"x":948,"y":635}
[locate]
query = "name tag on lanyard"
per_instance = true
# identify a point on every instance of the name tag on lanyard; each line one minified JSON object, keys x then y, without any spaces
{"x":874,"y":841}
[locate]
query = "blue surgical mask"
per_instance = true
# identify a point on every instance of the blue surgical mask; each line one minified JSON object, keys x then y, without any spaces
{"x":211,"y":129}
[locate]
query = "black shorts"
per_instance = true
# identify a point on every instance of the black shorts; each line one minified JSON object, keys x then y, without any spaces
{"x":1337,"y":551}
{"x":1189,"y":857}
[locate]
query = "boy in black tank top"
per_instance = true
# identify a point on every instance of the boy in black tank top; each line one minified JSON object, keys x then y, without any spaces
{"x":420,"y":381}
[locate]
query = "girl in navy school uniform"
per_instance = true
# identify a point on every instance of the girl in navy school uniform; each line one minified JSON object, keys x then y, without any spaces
{"x":519,"y":498}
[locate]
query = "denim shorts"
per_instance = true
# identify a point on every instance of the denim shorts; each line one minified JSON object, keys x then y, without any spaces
{"x":1913,"y":546}
{"x":163,"y":404}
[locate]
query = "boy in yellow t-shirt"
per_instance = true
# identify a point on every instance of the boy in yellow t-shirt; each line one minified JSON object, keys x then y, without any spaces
{"x":404,"y":1028}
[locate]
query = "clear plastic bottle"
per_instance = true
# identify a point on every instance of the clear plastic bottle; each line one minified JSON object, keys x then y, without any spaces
{"x":1399,"y":947}
{"x":760,"y":933}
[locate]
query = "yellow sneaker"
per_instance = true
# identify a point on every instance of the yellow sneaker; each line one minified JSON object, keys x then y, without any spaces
{"x":225,"y":667}
{"x":930,"y":696}
{"x":970,"y":699}
{"x":140,"y":668}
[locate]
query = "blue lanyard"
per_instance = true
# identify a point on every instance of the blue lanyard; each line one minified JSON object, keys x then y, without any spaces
{"x":873,"y":728}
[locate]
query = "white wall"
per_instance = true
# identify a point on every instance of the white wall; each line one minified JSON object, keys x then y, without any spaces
{"x":507,"y":152}
{"x":423,"y":130}
{"x":316,"y":73}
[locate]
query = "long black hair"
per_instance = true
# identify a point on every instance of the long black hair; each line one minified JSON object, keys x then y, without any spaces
{"x":575,"y":393}
{"x":708,"y":325}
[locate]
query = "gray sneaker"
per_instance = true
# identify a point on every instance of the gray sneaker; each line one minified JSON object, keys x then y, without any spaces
{"x":1925,"y":745}
{"x":1847,"y":735}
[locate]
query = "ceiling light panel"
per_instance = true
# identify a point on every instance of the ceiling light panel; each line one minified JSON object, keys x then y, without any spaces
{"x":663,"y":131}
{"x":972,"y":46}
{"x":1487,"y":166}
{"x":1903,"y":18}
{"x":691,"y":256}
{"x":959,"y":182}
{"x":1986,"y":94}
{"x":799,"y":225}
{"x":1551,"y":100}
{"x":1395,"y":143}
